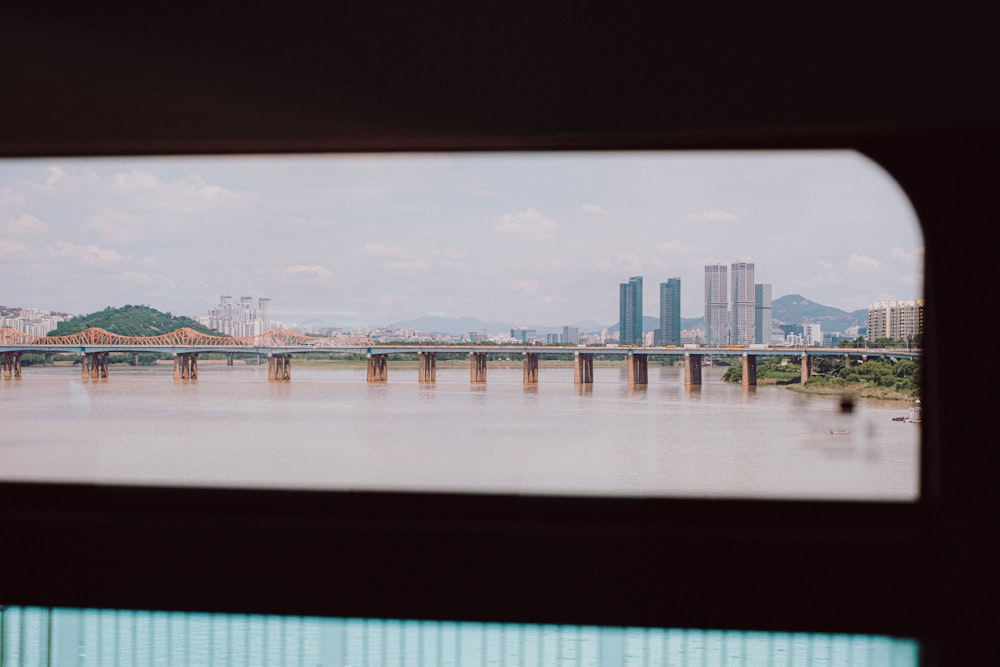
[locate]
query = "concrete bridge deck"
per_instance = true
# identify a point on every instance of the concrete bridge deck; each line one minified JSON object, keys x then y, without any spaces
{"x":279,"y":346}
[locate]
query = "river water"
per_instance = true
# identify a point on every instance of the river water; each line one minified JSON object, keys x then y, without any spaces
{"x":328,"y":428}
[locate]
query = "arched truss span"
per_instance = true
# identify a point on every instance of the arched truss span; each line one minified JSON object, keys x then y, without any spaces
{"x":185,"y":336}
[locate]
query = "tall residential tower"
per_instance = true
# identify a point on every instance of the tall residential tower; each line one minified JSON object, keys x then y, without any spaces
{"x":630,"y":311}
{"x":762,"y":314}
{"x":716,"y":305}
{"x":670,"y":312}
{"x":743,"y":304}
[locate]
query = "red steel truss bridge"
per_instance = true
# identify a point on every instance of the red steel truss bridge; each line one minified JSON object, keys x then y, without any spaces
{"x":191,"y":340}
{"x":95,"y":344}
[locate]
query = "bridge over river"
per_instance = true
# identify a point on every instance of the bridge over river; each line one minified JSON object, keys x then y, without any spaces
{"x":280,"y":345}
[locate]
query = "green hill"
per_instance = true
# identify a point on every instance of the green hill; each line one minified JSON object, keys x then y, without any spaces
{"x":792,"y":309}
{"x":129,"y":321}
{"x":796,"y":309}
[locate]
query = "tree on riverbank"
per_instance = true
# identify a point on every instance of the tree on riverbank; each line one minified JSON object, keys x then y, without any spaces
{"x":882,"y":379}
{"x":124,"y":321}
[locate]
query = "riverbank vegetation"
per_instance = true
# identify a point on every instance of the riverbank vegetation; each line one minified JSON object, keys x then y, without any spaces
{"x":886,"y":380}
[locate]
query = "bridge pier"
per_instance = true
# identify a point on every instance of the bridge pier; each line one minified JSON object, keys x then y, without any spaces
{"x":279,"y":367}
{"x":530,"y":365}
{"x":807,"y":366}
{"x":135,"y":358}
{"x":426,"y":367}
{"x":229,"y":358}
{"x":11,"y":362}
{"x":749,"y":370}
{"x":94,"y":365}
{"x":692,"y":370}
{"x":583,"y":368}
{"x":477,"y":367}
{"x":186,"y":366}
{"x":378,"y":367}
{"x":638,"y":369}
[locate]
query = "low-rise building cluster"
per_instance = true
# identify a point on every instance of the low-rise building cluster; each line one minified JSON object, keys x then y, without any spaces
{"x":32,"y":321}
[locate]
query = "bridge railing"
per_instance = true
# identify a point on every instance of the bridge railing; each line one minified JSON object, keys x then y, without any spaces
{"x":184,"y":337}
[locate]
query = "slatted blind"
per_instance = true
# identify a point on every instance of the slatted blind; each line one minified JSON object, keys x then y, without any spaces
{"x":41,"y":637}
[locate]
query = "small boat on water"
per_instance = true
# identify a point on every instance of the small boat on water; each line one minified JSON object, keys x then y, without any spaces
{"x":912,"y":417}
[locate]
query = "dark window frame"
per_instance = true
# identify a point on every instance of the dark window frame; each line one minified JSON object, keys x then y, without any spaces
{"x":923,"y":569}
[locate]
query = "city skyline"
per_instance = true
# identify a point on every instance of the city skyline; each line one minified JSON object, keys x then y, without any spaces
{"x":523,"y":238}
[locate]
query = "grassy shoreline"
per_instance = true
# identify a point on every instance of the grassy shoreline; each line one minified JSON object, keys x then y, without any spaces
{"x":857,"y":390}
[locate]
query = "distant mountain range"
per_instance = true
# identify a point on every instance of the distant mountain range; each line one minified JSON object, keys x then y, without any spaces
{"x":789,"y":309}
{"x":796,"y":309}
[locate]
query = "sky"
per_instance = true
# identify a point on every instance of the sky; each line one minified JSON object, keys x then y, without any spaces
{"x":532,"y":239}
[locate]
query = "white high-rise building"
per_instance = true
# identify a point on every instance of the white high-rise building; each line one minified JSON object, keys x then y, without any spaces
{"x":813,"y":334}
{"x":742,"y":312}
{"x":716,"y":305}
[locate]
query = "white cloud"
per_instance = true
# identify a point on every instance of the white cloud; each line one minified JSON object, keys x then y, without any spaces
{"x":383,"y":298}
{"x":410,"y":265}
{"x":394,"y":258}
{"x":88,"y":255}
{"x":56,"y":174}
{"x":136,"y":179}
{"x":308,"y":272}
{"x":448,"y":253}
{"x":862,"y":263}
{"x":619,"y":264}
{"x":380,"y":250}
{"x":910,"y":257}
{"x":528,"y":224}
{"x":24,"y":224}
{"x":199,"y":187}
{"x":714,"y":215}
{"x":674,"y":248}
{"x":12,"y":248}
{"x":151,"y":261}
{"x":140,"y":278}
{"x":170,"y":205}
{"x":631,"y":264}
{"x":528,"y":286}
{"x":9,"y":197}
{"x":116,"y":225}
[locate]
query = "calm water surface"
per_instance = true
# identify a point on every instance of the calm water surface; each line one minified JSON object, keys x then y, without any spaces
{"x":329,"y":429}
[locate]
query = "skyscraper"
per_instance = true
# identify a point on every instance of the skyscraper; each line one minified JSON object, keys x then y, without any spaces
{"x":716,"y":305}
{"x":742,"y":309}
{"x":670,"y":312}
{"x":264,"y":308}
{"x":630,"y":311}
{"x":762,"y":314}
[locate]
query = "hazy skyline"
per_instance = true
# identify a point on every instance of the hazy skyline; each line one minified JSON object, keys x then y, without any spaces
{"x":533,"y":239}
